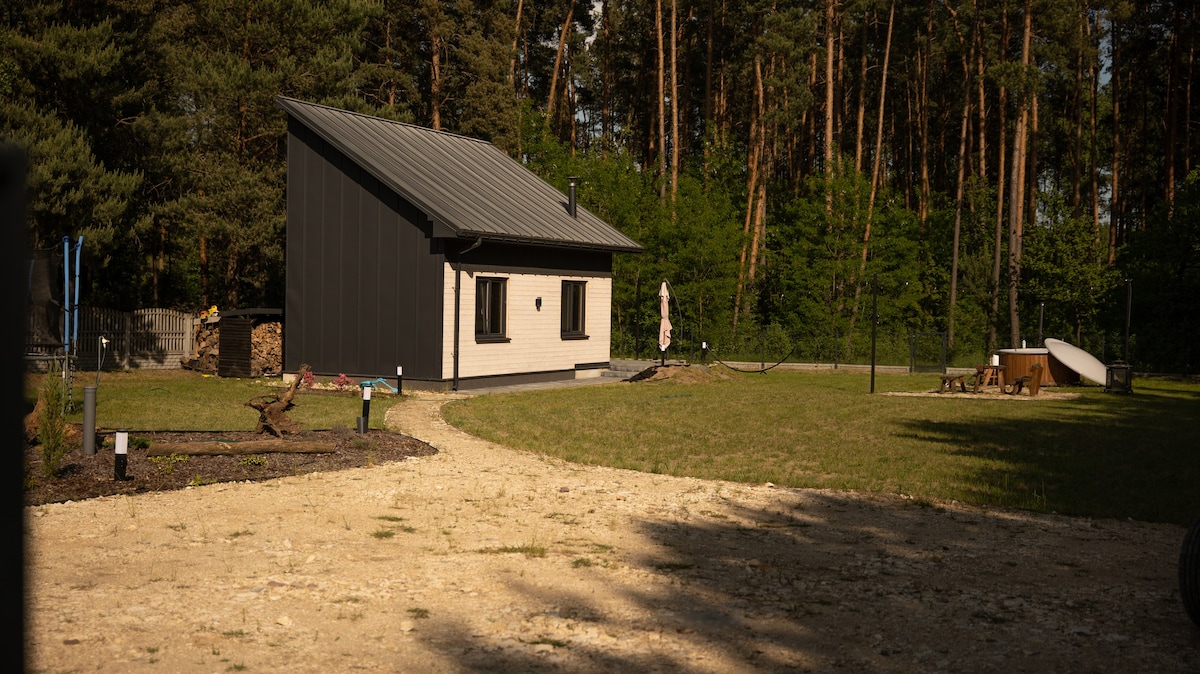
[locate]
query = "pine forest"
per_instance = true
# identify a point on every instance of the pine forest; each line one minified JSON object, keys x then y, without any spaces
{"x":997,"y":170}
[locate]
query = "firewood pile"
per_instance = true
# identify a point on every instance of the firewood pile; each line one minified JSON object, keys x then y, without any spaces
{"x":206,"y":347}
{"x":266,"y":349}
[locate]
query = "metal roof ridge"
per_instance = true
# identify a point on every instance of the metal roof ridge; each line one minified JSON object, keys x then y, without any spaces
{"x":418,"y":127}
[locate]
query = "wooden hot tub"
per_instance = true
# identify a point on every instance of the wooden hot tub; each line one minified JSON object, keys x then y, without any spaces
{"x":1017,"y":362}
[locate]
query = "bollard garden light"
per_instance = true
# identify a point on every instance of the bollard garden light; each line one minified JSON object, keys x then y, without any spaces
{"x":121,"y":458}
{"x":89,"y":420}
{"x":365,"y":420}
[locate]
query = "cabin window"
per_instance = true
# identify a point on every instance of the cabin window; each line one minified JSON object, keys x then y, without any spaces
{"x":573,"y":301}
{"x":490,"y":309}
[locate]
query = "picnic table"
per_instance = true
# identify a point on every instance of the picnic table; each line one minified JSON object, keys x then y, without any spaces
{"x":989,"y":375}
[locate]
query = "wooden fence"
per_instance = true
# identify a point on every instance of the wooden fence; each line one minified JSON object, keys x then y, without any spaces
{"x":142,"y":339}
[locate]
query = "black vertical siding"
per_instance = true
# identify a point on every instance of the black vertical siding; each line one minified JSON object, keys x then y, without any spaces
{"x":364,"y":277}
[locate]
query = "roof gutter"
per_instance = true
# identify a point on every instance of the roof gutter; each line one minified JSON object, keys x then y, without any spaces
{"x":552,"y":243}
{"x":458,"y":302}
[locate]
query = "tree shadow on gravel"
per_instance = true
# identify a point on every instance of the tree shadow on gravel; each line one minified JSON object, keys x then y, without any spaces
{"x":823,"y":582}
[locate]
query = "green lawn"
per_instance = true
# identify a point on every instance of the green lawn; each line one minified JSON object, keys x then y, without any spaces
{"x":1103,"y":455}
{"x":182,"y":400}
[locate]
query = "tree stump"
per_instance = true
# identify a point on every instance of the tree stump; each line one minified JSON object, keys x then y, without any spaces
{"x":272,"y":409}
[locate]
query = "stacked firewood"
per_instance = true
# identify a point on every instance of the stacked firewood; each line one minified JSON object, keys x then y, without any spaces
{"x":266,"y":349}
{"x":206,"y":347}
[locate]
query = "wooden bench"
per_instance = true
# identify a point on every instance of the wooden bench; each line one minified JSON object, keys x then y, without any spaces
{"x":1033,"y":380}
{"x":948,"y":381}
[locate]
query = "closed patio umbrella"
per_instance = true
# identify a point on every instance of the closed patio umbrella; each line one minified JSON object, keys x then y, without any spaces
{"x":664,"y":325}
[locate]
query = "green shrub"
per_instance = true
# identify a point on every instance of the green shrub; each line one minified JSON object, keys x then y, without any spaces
{"x":52,"y":424}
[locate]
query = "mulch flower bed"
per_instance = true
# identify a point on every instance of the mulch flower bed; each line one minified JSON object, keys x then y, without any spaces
{"x":83,"y":476}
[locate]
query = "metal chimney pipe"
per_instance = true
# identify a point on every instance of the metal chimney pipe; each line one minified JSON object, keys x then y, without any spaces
{"x":571,"y":196}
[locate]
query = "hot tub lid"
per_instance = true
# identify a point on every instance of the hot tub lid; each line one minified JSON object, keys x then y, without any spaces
{"x":1078,"y":360}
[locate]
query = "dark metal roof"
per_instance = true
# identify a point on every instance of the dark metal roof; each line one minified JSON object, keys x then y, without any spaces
{"x":466,"y":185}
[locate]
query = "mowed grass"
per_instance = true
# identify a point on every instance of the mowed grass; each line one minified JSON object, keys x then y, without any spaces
{"x":1104,"y":455}
{"x":182,"y":400}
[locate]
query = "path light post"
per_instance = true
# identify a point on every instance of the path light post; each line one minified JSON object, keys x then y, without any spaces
{"x":121,"y":456}
{"x":365,"y":420}
{"x":89,"y":420}
{"x":1041,"y":315}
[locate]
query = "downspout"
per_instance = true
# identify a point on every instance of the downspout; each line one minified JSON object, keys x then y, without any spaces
{"x":458,"y":302}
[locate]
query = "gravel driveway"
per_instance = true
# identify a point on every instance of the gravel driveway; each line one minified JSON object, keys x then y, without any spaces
{"x":482,"y":558}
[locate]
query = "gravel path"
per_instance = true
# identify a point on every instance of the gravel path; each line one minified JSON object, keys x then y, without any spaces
{"x":482,"y":558}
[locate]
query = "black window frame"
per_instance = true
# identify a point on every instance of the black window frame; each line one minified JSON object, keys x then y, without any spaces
{"x":491,"y":309}
{"x":574,"y":310}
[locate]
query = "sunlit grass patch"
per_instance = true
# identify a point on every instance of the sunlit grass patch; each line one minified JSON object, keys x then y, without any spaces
{"x":1099,"y":454}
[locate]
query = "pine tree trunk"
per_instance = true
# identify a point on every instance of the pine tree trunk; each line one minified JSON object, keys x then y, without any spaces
{"x":959,"y":192}
{"x":1172,"y":85}
{"x":981,"y":92}
{"x":435,"y":83}
{"x":876,"y":178}
{"x":876,"y":166}
{"x":708,"y":75}
{"x":1094,"y":154}
{"x":662,"y":111}
{"x":204,"y":268}
{"x":862,"y":101}
{"x":1030,"y":173}
{"x":1077,"y":119}
{"x":829,"y":16}
{"x":558,"y":58}
{"x":1187,"y":98}
{"x":923,"y":58}
{"x":1115,"y":194}
{"x":607,"y":75}
{"x":752,"y":179}
{"x":760,"y":216}
{"x":1016,"y":206}
{"x":512,"y":64}
{"x":387,"y":45}
{"x":1001,"y":172}
{"x":674,"y":108}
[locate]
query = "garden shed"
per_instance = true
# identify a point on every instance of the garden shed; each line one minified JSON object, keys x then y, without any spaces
{"x":237,"y":356}
{"x":436,"y":255}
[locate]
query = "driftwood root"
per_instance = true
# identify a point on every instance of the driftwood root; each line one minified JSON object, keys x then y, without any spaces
{"x":272,"y":409}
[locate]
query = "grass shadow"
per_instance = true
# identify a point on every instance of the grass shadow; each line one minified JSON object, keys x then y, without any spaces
{"x":1107,"y":456}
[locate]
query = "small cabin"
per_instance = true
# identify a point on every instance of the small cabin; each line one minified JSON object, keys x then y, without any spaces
{"x":437,"y":257}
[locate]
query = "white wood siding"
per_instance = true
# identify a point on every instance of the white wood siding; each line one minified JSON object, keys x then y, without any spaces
{"x":535,"y":343}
